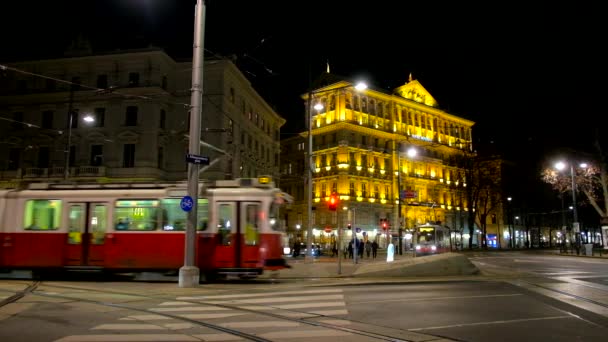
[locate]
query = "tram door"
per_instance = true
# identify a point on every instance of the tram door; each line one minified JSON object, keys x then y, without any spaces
{"x":86,"y":233}
{"x":238,"y":224}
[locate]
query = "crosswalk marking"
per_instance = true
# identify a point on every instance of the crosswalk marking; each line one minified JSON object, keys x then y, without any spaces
{"x":188,"y":308}
{"x":293,"y":304}
{"x":285,"y":299}
{"x":330,"y":312}
{"x":250,"y":295}
{"x":124,"y":326}
{"x":178,"y":326}
{"x":210,"y":316}
{"x":309,"y":305}
{"x":304,"y":334}
{"x":145,"y":317}
{"x":174,"y":303}
{"x":129,"y":338}
{"x":218,"y":337}
{"x":260,"y":324}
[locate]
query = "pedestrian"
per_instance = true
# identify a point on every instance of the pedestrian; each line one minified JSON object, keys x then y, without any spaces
{"x":296,"y":248}
{"x":334,"y":250}
{"x":368,"y":248}
{"x":350,"y":249}
{"x":374,"y":249}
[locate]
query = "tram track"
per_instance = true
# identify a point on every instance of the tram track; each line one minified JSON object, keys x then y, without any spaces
{"x":31,"y":289}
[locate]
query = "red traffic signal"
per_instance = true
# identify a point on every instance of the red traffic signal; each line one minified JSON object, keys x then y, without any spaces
{"x":333,"y":202}
{"x":384,"y":223}
{"x":350,"y":226}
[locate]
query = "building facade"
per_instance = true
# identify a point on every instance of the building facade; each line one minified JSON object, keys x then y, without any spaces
{"x":136,"y":104}
{"x":360,"y":148}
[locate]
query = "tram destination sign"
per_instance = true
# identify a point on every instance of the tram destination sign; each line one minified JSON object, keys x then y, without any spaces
{"x":196,"y":159}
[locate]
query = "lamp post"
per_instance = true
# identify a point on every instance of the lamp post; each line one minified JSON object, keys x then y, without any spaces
{"x":575,"y":224}
{"x":509,"y":222}
{"x":68,"y":147}
{"x":309,"y":162}
{"x":411,"y":153}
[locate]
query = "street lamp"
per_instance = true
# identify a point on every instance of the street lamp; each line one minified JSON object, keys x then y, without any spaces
{"x":575,"y":225}
{"x":510,"y":222}
{"x":411,"y":153}
{"x":87,"y":118}
{"x":309,"y":164}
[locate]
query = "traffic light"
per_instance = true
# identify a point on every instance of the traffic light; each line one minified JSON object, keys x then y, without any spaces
{"x":333,"y":202}
{"x":384,"y":224}
{"x":350,"y":226}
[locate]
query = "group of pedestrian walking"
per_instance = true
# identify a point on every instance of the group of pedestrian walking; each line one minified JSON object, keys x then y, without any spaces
{"x":370,"y":248}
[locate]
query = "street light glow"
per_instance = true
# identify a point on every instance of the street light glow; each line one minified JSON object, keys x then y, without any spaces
{"x":318,"y":106}
{"x":411,"y":152}
{"x":361,"y":86}
{"x":560,"y":165}
{"x":88,"y":118}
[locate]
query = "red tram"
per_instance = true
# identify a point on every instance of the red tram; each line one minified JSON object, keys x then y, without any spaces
{"x":140,"y":227}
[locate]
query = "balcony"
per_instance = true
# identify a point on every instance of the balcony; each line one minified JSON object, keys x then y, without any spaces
{"x":59,"y":172}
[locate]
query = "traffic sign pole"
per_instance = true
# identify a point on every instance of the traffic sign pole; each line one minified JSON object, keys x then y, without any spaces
{"x":189,"y":274}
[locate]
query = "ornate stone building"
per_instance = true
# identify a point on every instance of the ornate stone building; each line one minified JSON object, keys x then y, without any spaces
{"x":137,"y":107}
{"x":360,"y":146}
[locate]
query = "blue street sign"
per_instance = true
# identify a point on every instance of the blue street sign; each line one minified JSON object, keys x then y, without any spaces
{"x":358,"y":230}
{"x":186,"y":203}
{"x":196,"y":159}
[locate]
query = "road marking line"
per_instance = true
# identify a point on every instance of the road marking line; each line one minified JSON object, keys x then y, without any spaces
{"x":128,"y":338}
{"x":188,"y":308}
{"x":126,"y":326}
{"x":178,"y":326}
{"x":440,"y":298}
{"x":218,"y":337}
{"x":145,"y":317}
{"x":493,"y":322}
{"x":330,"y":312}
{"x":335,"y":321}
{"x":249,"y":295}
{"x":285,"y":299}
{"x":209,"y":316}
{"x":260,"y":324}
{"x":304,"y":334}
{"x":174,"y":303}
{"x":309,"y":305}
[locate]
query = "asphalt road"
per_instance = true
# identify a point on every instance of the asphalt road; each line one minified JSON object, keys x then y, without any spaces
{"x":518,"y":297}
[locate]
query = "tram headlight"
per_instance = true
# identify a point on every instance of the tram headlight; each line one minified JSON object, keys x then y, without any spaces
{"x":433,"y":248}
{"x":286,"y":250}
{"x":417,"y":247}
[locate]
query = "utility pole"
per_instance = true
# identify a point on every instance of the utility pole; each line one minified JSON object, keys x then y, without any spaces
{"x":189,"y":273}
{"x":66,"y":170}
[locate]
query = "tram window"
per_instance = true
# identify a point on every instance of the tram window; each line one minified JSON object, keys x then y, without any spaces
{"x":174,"y":218}
{"x":98,"y":224}
{"x":225,"y":221}
{"x":275,"y":223}
{"x":76,"y":224}
{"x":251,"y":224}
{"x":136,"y":215}
{"x":42,"y":215}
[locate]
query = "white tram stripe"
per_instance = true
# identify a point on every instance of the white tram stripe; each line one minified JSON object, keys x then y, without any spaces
{"x":218,"y":337}
{"x":128,"y":338}
{"x":127,"y":326}
{"x":260,"y":324}
{"x":310,"y":305}
{"x":287,"y":299}
{"x":188,"y":308}
{"x":249,"y":295}
{"x":304,"y":334}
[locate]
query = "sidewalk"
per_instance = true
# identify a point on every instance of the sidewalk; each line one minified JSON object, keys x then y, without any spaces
{"x":447,"y":264}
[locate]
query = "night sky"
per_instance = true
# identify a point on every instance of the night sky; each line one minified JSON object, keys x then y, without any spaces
{"x":531,"y":76}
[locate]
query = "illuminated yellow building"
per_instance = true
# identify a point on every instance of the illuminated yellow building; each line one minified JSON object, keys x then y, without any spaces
{"x":360,"y":147}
